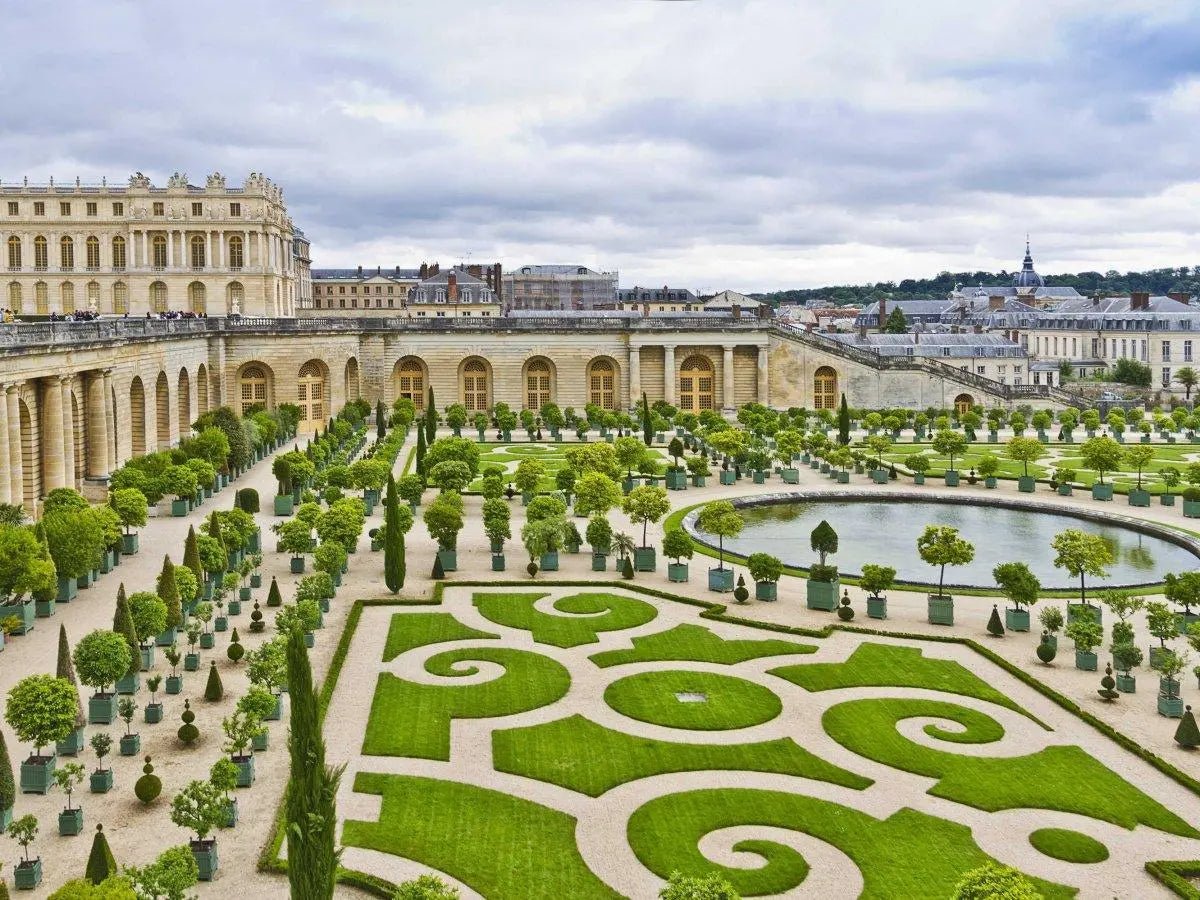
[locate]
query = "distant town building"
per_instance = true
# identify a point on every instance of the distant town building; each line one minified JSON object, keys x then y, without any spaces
{"x":1027,"y":286}
{"x":359,"y":288}
{"x":652,"y":301}
{"x":302,"y":265}
{"x":990,"y":355}
{"x":559,"y":287}
{"x":382,"y":292}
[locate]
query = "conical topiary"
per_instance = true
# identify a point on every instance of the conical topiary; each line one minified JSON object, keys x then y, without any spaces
{"x":256,"y":619}
{"x":1186,"y":735}
{"x":438,"y":571}
{"x":994,"y":626}
{"x":741,"y":593}
{"x":213,"y":690}
{"x":419,"y":463}
{"x":66,"y":671}
{"x":1046,"y":651}
{"x":149,"y":786}
{"x":627,"y":569}
{"x":188,"y":732}
{"x":235,"y":651}
{"x":101,"y":862}
{"x":845,"y":610}
{"x":8,"y":787}
{"x":274,"y":598}
{"x":168,"y":590}
{"x":123,"y":625}
{"x":1107,"y":683}
{"x":191,"y":555}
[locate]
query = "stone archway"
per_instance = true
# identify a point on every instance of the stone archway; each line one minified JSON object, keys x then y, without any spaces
{"x":697,"y":391}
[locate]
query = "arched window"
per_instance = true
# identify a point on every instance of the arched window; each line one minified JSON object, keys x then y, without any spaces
{"x":696,"y":384}
{"x":67,"y":296}
{"x":14,"y":297}
{"x":158,"y":247}
{"x":120,"y":298}
{"x":14,"y":252}
{"x":67,"y":253}
{"x":602,"y":380}
{"x":118,"y":252}
{"x":93,"y":295}
{"x":235,"y":298}
{"x":537,"y":384}
{"x":197,"y":245}
{"x":196,"y":298}
{"x":237,"y":253}
{"x":93,"y":253}
{"x":475,"y":385}
{"x":825,"y":388}
{"x":253,"y":387}
{"x":41,"y":299}
{"x":963,"y":403}
{"x":310,"y":392}
{"x":158,"y":296}
{"x":41,"y":254}
{"x":410,"y":381}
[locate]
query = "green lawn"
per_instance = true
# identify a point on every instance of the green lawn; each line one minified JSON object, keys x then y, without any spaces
{"x":584,"y":615}
{"x":889,"y":665}
{"x":507,"y":456}
{"x":909,"y":854}
{"x":578,"y":754}
{"x":410,"y":719}
{"x":1060,"y":778}
{"x":694,"y":643}
{"x":503,"y":847}
{"x":408,"y":631}
{"x":729,"y":702}
{"x":1068,"y":845}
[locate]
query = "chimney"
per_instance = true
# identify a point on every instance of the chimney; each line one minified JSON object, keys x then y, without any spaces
{"x":434,"y":269}
{"x":452,"y":288}
{"x":424,"y":271}
{"x":737,"y":311}
{"x":979,"y":329}
{"x":360,"y":270}
{"x":645,"y":309}
{"x":995,"y":302}
{"x":1096,"y":299}
{"x":882,"y":311}
{"x":1139,"y":300}
{"x":379,"y":270}
{"x":1180,"y":296}
{"x":862,"y":331}
{"x":397,"y":270}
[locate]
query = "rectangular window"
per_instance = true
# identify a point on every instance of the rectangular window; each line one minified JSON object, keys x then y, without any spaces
{"x":1074,"y":346}
{"x":389,"y":290}
{"x":1166,"y":351}
{"x":39,"y":207}
{"x":353,"y":290}
{"x":341,"y":289}
{"x":159,"y":208}
{"x":1166,"y":376}
{"x":197,"y":209}
{"x":14,"y":208}
{"x":118,"y":209}
{"x":235,"y":209}
{"x":980,"y":369}
{"x":93,"y":209}
{"x":64,"y":209}
{"x":1187,"y":351}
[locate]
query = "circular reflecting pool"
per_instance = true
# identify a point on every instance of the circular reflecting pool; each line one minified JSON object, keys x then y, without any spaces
{"x":871,"y":531}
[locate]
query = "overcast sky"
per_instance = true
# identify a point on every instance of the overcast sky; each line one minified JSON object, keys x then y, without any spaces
{"x":705,"y":143}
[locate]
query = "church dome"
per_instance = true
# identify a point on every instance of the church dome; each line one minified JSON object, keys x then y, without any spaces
{"x":1027,"y":277}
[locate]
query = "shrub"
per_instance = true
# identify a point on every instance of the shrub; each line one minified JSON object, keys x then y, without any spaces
{"x":188,"y":732}
{"x":149,"y":786}
{"x":101,"y":658}
{"x":247,"y":500}
{"x":101,"y":864}
{"x":764,"y":567}
{"x":678,"y":544}
{"x":995,"y":882}
{"x":704,"y":887}
{"x":426,"y":887}
{"x":235,"y":651}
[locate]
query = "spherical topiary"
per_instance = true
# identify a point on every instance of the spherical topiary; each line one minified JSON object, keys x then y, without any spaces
{"x":845,"y":611}
{"x":149,"y":786}
{"x":188,"y":733}
{"x":741,"y":593}
{"x":235,"y":651}
{"x":213,"y":690}
{"x":1046,"y":651}
{"x":256,"y":619}
{"x":1107,"y":683}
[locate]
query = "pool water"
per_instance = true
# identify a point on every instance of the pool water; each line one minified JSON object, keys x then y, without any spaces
{"x":871,"y":531}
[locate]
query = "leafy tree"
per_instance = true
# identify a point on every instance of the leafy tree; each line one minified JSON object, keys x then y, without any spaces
{"x":167,"y":588}
{"x":8,"y":787}
{"x":1082,"y":554}
{"x":1130,"y":371}
{"x":1086,"y":634}
{"x":444,"y":520}
{"x":722,"y":520}
{"x":102,"y":658}
{"x":823,"y":540}
{"x":199,"y":807}
{"x":678,"y":544}
{"x":601,"y":457}
{"x":41,"y":710}
{"x":1025,"y":450}
{"x":599,"y":533}
{"x":76,"y":540}
{"x":596,"y":493}
{"x":25,"y":569}
{"x":167,"y":878}
{"x":876,"y":579}
{"x":1102,"y":454}
{"x":123,"y":625}
{"x":764,"y":567}
{"x":1188,"y":378}
{"x":949,"y":443}
{"x":646,"y":504}
{"x":455,"y":449}
{"x":630,"y":452}
{"x":266,"y":667}
{"x":191,"y":555}
{"x":1139,"y":456}
{"x":1051,"y":619}
{"x":1018,"y":583}
{"x":148,"y":614}
{"x":700,"y":887}
{"x":896,"y":323}
{"x":130,"y":506}
{"x":1160,"y":622}
{"x":529,"y":473}
{"x":496,"y":517}
{"x":941,"y":545}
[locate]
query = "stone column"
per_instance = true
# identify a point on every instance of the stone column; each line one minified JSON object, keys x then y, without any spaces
{"x":635,"y":374}
{"x":53,"y":451}
{"x":245,"y":250}
{"x":727,"y":372}
{"x":764,"y":378}
{"x":668,"y":373}
{"x":68,"y":430}
{"x":110,"y":420}
{"x":220,"y":250}
{"x":16,"y":468}
{"x":5,"y":475}
{"x":97,"y":425}
{"x":170,"y":249}
{"x":146,"y":249}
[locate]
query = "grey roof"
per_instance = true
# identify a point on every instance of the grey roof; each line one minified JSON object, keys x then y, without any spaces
{"x":1004,"y":290}
{"x":934,"y":344}
{"x":461,"y":276}
{"x":912,"y":307}
{"x":556,"y":269}
{"x":657,"y":295}
{"x":1121,"y":304}
{"x":1027,"y":277}
{"x":365,"y":274}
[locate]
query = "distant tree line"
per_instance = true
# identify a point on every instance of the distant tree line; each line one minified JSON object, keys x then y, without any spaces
{"x":1156,"y":281}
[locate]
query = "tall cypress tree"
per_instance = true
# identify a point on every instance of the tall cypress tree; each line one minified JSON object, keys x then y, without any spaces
{"x":8,"y":787}
{"x":843,"y":423}
{"x":66,"y":671}
{"x":393,"y":543}
{"x":647,"y":424}
{"x":214,"y":532}
{"x":420,"y":461}
{"x":430,"y":419}
{"x":191,"y":555}
{"x":312,"y":850}
{"x":123,"y":625}
{"x":380,"y":420}
{"x":168,"y":590}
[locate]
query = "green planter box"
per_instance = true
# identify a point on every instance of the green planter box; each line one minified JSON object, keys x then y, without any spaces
{"x":497,"y":562}
{"x":1102,"y":491}
{"x":1126,"y":684}
{"x":72,"y":746}
{"x":677,"y":572}
{"x":728,"y":477}
{"x":174,"y":684}
{"x":790,"y":475}
{"x":843,"y":477}
{"x":822,"y":595}
{"x":205,"y":854}
{"x":720,"y":580}
{"x":207,"y":640}
{"x":146,"y":655}
{"x":760,"y":478}
{"x":245,"y":766}
{"x":310,"y":640}
{"x":28,"y":874}
{"x":990,"y":481}
{"x":1026,"y":484}
{"x":677,"y":481}
{"x":101,"y":782}
{"x":102,"y":709}
{"x":83,"y":582}
{"x":1171,"y":707}
{"x":919,"y":478}
{"x":1016,"y":619}
{"x":876,"y":607}
{"x":296,"y":565}
{"x":879,"y":476}
{"x":599,"y":562}
{"x":167,"y":638}
{"x":284,"y":505}
{"x":1157,"y":655}
{"x":70,"y":822}
{"x":1166,"y":499}
{"x":951,"y":478}
{"x":191,"y":662}
{"x":549,"y":561}
{"x":1065,"y":490}
{"x":261,"y":741}
{"x":277,"y":713}
{"x":644,"y":559}
{"x":243,"y":595}
{"x":1191,"y":509}
{"x":766,"y":590}
{"x":1139,"y":498}
{"x":130,"y":543}
{"x":941,"y":609}
{"x":179,"y":508}
{"x":699,"y":480}
{"x":131,"y":744}
{"x":43,"y":609}
{"x":152,"y":713}
{"x":235,"y":606}
{"x":37,"y":774}
{"x":68,"y":589}
{"x":1184,"y":620}
{"x":1085,"y":661}
{"x":449,"y":560}
{"x":129,"y":684}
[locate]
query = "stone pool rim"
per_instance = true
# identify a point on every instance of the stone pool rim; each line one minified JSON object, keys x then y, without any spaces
{"x":1142,"y":526}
